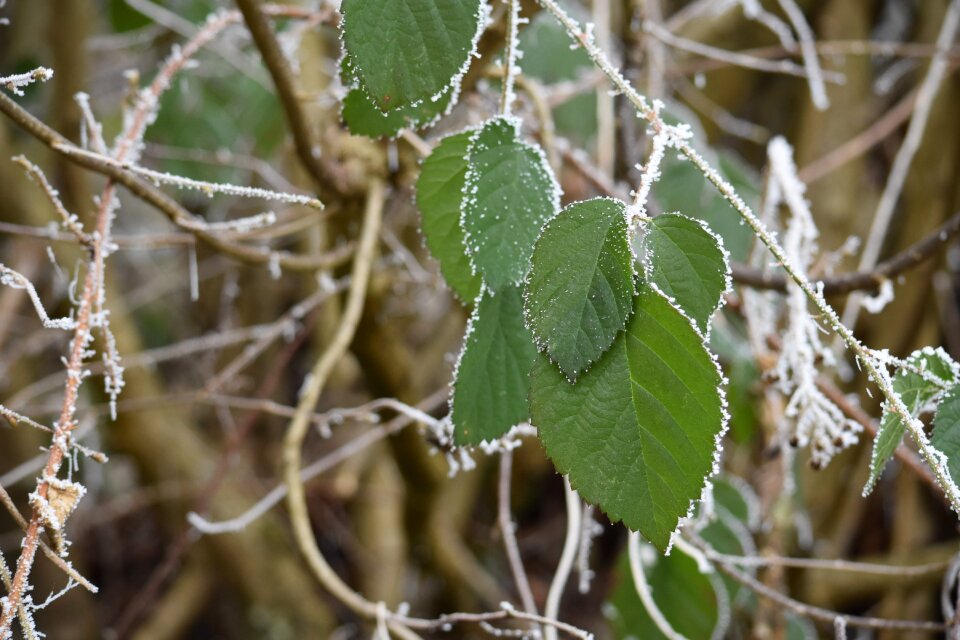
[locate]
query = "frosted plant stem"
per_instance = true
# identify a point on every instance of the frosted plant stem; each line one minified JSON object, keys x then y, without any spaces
{"x":874,"y":370}
{"x":643,"y":589}
{"x":908,"y":149}
{"x":508,"y":529}
{"x":808,"y":51}
{"x":507,"y":95}
{"x":208,"y":188}
{"x":570,"y":546}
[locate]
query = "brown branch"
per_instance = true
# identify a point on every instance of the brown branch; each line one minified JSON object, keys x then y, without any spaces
{"x":821,"y":614}
{"x":165,"y":204}
{"x":279,"y":68}
{"x":861,"y":280}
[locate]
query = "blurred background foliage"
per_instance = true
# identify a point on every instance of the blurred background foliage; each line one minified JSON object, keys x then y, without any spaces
{"x":388,"y":518}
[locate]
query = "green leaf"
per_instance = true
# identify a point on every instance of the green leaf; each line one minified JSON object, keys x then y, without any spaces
{"x":492,"y":379}
{"x":363,"y":118}
{"x":946,"y":430}
{"x":638,"y":433}
{"x":407,"y":51}
{"x":916,"y":391}
{"x":439,"y":191}
{"x":688,"y":263}
{"x":579,"y":292}
{"x":686,"y":598}
{"x":510,"y":193}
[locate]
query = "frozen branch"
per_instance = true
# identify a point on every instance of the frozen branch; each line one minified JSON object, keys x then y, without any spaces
{"x":16,"y":83}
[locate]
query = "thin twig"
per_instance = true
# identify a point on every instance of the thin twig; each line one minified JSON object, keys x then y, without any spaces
{"x":643,"y":589}
{"x":312,"y":470}
{"x":508,"y":529}
{"x":571,"y":545}
{"x":821,"y":614}
{"x":815,"y":75}
{"x":912,"y":256}
{"x":507,"y":96}
{"x":904,"y":158}
{"x":279,"y":69}
{"x":736,"y":58}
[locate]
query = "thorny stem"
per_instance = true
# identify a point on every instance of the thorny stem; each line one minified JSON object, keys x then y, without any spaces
{"x":827,"y":314}
{"x":91,"y":300}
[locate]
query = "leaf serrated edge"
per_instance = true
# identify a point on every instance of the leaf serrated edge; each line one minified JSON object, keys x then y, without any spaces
{"x":953,"y":365}
{"x":423,"y":236}
{"x":468,"y":331}
{"x":724,"y":420}
{"x":727,"y":273}
{"x":469,"y":181}
{"x":483,"y":20}
{"x":542,"y":346}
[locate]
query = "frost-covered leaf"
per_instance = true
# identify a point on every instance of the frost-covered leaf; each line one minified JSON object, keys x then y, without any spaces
{"x":916,"y":390}
{"x":492,"y":379}
{"x":579,"y":292}
{"x":406,"y":51}
{"x":439,"y":191}
{"x":363,"y":118}
{"x":688,"y":262}
{"x":638,"y":433}
{"x":510,"y":193}
{"x":946,"y":430}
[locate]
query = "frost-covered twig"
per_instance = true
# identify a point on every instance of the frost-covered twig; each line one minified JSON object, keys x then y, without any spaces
{"x":69,"y":220}
{"x":567,"y":557}
{"x":15,"y":83}
{"x":901,"y":163}
{"x":15,"y":418}
{"x":817,"y":420}
{"x":182,"y":182}
{"x":90,"y":312}
{"x":91,"y":131}
{"x":16,"y":280}
{"x":815,"y":75}
{"x":61,"y":563}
